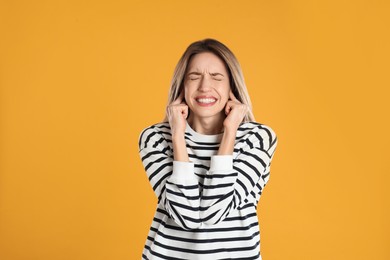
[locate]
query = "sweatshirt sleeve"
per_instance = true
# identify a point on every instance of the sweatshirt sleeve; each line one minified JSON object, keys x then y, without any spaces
{"x":230,"y":182}
{"x":173,"y":182}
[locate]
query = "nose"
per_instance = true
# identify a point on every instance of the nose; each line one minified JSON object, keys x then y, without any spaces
{"x":204,"y":84}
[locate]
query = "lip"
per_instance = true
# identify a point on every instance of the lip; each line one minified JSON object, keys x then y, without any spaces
{"x":206,"y":97}
{"x":204,"y":104}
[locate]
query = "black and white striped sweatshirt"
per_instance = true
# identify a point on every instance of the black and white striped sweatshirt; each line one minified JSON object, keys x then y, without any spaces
{"x":206,"y":207}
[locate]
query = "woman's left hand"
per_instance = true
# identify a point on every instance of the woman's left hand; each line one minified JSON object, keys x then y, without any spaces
{"x":235,"y":112}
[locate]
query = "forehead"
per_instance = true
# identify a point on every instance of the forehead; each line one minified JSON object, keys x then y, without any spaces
{"x":206,"y":61}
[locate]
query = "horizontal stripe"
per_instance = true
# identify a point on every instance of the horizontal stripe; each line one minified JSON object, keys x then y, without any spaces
{"x":211,"y":240}
{"x":208,"y":230}
{"x":183,"y":195}
{"x":202,"y":252}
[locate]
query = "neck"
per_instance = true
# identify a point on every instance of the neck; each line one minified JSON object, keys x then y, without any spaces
{"x":207,"y":125}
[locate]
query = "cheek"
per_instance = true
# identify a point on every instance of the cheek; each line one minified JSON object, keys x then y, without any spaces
{"x":187,"y":96}
{"x":225,"y":94}
{"x":224,"y":102}
{"x":188,"y":92}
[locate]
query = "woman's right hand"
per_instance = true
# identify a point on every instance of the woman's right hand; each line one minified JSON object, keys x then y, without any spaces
{"x":177,"y":113}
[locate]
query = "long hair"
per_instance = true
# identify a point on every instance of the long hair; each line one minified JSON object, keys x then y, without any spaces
{"x":236,"y":78}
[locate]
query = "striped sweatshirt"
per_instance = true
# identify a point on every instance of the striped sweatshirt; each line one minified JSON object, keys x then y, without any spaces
{"x":206,"y":207}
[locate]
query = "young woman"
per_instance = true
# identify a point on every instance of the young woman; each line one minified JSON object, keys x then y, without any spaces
{"x":207,"y":162}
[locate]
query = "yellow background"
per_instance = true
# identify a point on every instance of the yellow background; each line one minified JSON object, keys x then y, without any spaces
{"x":80,"y":79}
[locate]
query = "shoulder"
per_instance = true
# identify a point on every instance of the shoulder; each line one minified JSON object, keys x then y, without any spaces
{"x":257,"y":132}
{"x":154,"y":133}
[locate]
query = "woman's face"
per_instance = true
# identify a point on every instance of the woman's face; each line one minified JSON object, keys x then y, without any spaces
{"x":206,"y":85}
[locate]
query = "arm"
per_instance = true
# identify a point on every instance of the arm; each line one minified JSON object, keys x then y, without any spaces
{"x":227,"y":143}
{"x":230,"y":182}
{"x":179,"y":148}
{"x":173,"y":182}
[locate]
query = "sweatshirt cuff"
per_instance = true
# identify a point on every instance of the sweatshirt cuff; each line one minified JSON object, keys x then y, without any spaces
{"x":221,"y":163}
{"x":183,"y":172}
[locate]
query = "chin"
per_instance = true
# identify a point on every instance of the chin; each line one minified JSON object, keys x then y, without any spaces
{"x":206,"y":114}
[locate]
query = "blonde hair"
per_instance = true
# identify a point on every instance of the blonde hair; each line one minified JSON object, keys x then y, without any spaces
{"x":236,"y":78}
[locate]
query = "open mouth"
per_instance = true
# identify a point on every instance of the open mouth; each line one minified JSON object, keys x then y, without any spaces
{"x":206,"y":101}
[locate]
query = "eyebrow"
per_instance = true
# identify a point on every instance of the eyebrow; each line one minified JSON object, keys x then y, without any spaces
{"x":198,"y":73}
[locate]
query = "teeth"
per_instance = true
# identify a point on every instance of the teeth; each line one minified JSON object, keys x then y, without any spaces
{"x":206,"y":100}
